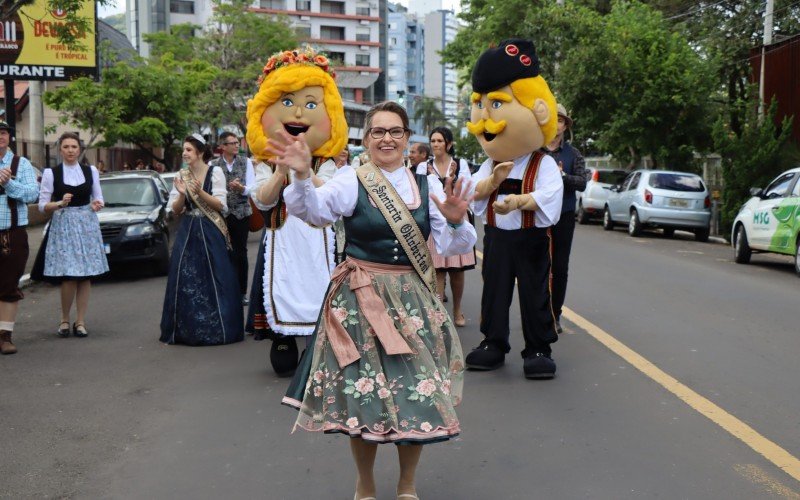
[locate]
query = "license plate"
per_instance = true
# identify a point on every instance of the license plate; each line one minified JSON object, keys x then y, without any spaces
{"x":107,"y":248}
{"x":676,"y":202}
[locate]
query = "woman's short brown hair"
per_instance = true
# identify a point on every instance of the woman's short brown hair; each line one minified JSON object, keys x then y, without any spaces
{"x":391,"y":107}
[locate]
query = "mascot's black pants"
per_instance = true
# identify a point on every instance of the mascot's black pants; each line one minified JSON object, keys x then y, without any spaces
{"x":522,"y":255}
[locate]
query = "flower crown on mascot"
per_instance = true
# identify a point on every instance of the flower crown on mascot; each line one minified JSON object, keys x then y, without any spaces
{"x":513,"y":110}
{"x":297,"y":93}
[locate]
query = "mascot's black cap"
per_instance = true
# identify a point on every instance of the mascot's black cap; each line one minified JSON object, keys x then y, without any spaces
{"x":497,"y":67}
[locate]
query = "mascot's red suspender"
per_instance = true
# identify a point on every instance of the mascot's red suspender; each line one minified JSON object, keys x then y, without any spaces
{"x":527,"y":186}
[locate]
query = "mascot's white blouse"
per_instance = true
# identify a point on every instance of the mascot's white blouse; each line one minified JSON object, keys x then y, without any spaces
{"x":548,"y":192}
{"x":338,"y":198}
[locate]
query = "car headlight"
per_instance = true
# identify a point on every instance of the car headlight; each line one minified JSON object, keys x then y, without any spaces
{"x":140,"y":229}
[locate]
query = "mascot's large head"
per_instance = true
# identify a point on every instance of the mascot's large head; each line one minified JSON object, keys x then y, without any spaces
{"x":297,"y":94}
{"x":513,"y":110}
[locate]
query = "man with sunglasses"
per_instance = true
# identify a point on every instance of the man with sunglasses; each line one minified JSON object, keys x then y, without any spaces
{"x":240,"y":178}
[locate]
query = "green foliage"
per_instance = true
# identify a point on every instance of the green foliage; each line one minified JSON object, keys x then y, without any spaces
{"x":470,"y":149}
{"x":428,"y":110}
{"x":236,"y":42}
{"x":147,"y":104}
{"x":117,"y":21}
{"x":751,"y":158}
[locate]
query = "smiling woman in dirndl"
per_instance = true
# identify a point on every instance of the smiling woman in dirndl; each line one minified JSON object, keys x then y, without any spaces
{"x":386,"y":364}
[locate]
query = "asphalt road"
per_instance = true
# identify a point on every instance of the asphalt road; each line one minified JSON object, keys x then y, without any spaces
{"x":118,"y":415}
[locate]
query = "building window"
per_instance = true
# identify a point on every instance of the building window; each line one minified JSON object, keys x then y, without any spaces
{"x":362,"y":59}
{"x":331,"y":33}
{"x":303,"y":31}
{"x":362,"y":11}
{"x":302,"y":5}
{"x":362,"y":37}
{"x":272,"y":4}
{"x":337,"y":58}
{"x":181,"y":6}
{"x":331,"y":7}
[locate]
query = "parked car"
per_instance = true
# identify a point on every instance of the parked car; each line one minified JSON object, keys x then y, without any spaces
{"x":770,"y":220}
{"x":660,"y":199}
{"x":592,"y":200}
{"x":169,"y":179}
{"x":135,"y":223}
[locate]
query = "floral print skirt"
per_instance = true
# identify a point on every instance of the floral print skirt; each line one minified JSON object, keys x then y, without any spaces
{"x":383,"y":398}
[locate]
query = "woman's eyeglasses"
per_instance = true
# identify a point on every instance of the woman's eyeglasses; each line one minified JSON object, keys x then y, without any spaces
{"x":380,"y":132}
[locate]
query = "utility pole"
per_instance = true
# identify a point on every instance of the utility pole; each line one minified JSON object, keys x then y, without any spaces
{"x":36,"y":130}
{"x":768,"y":18}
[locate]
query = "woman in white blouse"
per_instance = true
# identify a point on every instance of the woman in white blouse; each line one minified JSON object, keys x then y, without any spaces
{"x":72,"y":251}
{"x":386,"y":366}
{"x":202,"y":305}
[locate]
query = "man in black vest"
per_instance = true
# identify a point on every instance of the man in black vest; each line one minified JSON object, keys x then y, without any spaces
{"x":240,"y":178}
{"x":573,"y":173}
{"x":18,"y":187}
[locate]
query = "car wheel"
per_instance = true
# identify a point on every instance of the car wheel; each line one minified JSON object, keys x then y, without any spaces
{"x":608,"y":223}
{"x":582,"y":216}
{"x":741,"y":248}
{"x":669,"y":232}
{"x":161,"y":265}
{"x":635,"y":225}
{"x":797,"y":258}
{"x":701,"y":235}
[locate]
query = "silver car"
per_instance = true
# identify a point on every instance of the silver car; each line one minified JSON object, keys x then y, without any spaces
{"x":660,"y":199}
{"x":592,"y":200}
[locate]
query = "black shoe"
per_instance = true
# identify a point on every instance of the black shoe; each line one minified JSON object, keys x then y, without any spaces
{"x":539,"y":366}
{"x":79,"y":330}
{"x":63,"y":332}
{"x":485,"y":357}
{"x":558,"y":327}
{"x":283,"y":356}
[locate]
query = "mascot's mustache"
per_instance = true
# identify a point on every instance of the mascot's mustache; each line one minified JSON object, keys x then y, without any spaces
{"x":487,"y":125}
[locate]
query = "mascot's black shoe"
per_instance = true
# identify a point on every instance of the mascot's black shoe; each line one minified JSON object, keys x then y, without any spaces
{"x":485,"y":357}
{"x":283,"y":356}
{"x":539,"y":366}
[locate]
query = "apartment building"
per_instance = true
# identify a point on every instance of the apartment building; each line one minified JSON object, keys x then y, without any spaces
{"x":352,"y":32}
{"x":441,"y":80}
{"x":404,"y":70}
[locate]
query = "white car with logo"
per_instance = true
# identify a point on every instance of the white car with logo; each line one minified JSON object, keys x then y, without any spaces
{"x":770,"y":220}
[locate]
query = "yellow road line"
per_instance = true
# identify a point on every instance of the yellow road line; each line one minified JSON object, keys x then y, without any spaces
{"x":749,"y":436}
{"x":746,"y":434}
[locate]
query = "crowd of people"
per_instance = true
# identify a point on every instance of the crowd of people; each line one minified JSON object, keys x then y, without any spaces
{"x":353,"y":260}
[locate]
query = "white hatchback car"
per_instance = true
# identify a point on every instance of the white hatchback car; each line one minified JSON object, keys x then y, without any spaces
{"x":770,"y":220}
{"x":592,"y":200}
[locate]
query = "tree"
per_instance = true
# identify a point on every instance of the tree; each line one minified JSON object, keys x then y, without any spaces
{"x":235,"y":41}
{"x":150,"y":104}
{"x":429,"y":112}
{"x":753,"y":156}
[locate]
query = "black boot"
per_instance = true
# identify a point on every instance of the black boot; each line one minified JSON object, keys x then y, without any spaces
{"x":485,"y":357}
{"x":283,"y":356}
{"x":539,"y":366}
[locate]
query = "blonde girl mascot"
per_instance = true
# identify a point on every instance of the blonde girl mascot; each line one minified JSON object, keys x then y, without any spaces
{"x":297,"y":95}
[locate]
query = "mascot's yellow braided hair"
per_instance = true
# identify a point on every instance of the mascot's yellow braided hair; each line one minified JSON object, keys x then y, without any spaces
{"x":290,"y":71}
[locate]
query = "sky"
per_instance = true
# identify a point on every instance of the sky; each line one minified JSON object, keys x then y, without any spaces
{"x":118,"y":7}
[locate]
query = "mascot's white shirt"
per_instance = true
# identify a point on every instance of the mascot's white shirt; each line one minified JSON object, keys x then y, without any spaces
{"x":548,"y":192}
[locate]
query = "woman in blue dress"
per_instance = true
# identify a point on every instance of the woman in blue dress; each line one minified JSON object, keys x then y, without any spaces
{"x":72,"y":252}
{"x":202,"y":305}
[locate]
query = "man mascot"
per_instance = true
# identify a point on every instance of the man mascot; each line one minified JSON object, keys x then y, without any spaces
{"x":297,"y":94}
{"x":518,"y":194}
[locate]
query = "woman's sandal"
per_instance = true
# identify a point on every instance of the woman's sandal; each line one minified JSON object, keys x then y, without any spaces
{"x":63,"y":332}
{"x":79,"y":330}
{"x":407,"y":495}
{"x":355,"y":497}
{"x":460,"y":321}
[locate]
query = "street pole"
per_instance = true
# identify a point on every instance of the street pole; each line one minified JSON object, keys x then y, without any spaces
{"x":36,"y":127}
{"x":11,"y":111}
{"x":768,"y":19}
